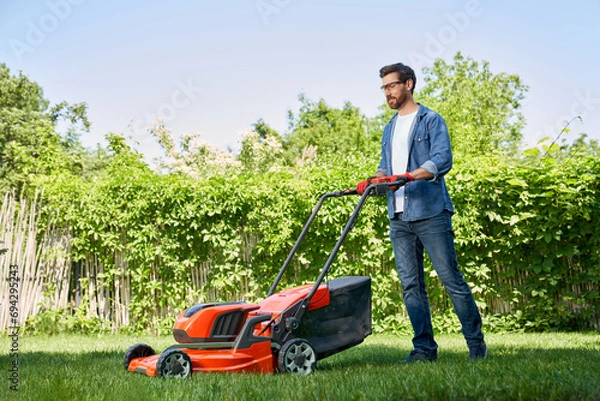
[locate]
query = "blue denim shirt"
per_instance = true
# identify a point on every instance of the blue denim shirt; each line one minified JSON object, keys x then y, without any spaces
{"x":429,"y":147}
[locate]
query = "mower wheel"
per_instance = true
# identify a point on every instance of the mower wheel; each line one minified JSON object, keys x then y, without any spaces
{"x":137,"y":351}
{"x":174,"y":363}
{"x":297,"y":357}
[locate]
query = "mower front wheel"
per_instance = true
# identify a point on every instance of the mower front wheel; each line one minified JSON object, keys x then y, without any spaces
{"x":174,"y":363}
{"x":137,"y":351}
{"x":297,"y":357}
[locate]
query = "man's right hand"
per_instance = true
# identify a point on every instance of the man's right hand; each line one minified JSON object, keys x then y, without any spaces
{"x":361,"y":187}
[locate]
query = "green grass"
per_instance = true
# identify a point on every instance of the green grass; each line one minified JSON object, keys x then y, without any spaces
{"x":551,"y":366}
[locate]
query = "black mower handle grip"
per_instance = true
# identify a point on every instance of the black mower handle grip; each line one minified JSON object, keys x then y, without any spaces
{"x":347,"y":191}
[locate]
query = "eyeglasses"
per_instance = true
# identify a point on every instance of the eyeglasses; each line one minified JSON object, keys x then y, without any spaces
{"x":390,"y":86}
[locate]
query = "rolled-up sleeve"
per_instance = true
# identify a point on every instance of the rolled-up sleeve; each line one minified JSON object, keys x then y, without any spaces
{"x":432,"y":168}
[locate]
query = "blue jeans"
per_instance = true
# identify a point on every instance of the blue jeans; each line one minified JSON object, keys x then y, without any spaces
{"x":435,"y":235}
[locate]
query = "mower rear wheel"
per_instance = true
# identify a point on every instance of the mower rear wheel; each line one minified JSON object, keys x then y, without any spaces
{"x":297,"y":357}
{"x":137,"y":351}
{"x":174,"y":363}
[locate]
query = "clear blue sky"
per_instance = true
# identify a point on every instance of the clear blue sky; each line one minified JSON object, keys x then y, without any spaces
{"x":216,"y":67}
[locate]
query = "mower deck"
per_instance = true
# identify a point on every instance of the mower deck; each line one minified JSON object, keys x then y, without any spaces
{"x":339,"y":316}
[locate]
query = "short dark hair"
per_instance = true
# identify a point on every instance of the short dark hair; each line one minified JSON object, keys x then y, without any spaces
{"x":404,"y":73}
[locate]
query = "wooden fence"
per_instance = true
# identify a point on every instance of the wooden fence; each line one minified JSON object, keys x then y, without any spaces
{"x":38,"y":264}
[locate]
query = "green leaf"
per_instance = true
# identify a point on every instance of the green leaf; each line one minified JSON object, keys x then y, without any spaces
{"x":531,"y":152}
{"x":515,"y":182}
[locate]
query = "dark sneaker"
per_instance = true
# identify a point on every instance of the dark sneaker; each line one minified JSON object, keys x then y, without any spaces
{"x":419,"y":356}
{"x":478,"y":352}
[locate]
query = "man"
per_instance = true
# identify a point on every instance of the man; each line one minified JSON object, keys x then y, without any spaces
{"x":416,"y":150}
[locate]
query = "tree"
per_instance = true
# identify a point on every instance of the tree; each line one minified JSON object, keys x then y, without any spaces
{"x":29,"y":143}
{"x":263,"y":129}
{"x":332,"y":131}
{"x":481,"y":109}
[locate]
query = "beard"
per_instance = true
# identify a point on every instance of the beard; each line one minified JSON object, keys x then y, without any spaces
{"x":395,"y":103}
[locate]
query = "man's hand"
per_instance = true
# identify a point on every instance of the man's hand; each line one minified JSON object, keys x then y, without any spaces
{"x":361,"y":187}
{"x":402,"y":178}
{"x":406,"y":177}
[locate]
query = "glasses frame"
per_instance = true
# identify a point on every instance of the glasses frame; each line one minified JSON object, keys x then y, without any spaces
{"x":390,"y":85}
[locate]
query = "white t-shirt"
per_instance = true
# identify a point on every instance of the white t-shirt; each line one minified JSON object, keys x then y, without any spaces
{"x":400,"y":152}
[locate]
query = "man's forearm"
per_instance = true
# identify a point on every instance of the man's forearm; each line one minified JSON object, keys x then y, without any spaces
{"x":421,"y":174}
{"x":418,"y":174}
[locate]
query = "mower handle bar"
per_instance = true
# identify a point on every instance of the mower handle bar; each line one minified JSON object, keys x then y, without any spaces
{"x":290,"y":256}
{"x":373,"y":187}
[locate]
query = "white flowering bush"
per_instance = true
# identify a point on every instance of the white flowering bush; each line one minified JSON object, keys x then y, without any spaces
{"x":194,"y":157}
{"x":261,"y":154}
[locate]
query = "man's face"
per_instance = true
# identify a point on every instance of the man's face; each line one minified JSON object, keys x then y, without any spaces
{"x":396,"y":93}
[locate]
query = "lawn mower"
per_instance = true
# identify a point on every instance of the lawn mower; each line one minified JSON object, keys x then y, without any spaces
{"x":289,"y":331}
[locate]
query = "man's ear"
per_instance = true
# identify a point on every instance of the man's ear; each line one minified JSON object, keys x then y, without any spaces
{"x":410,"y":85}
